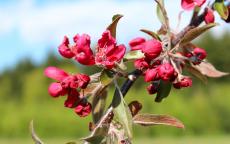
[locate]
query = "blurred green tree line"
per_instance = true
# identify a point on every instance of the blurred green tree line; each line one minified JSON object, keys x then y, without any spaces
{"x":204,"y":109}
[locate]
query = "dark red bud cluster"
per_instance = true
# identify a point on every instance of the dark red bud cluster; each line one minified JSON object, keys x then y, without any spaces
{"x":67,"y":85}
{"x":184,"y":82}
{"x":156,"y":68}
{"x":151,"y":49}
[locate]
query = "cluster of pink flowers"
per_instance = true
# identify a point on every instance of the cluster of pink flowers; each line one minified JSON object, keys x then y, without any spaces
{"x":69,"y":85}
{"x":106,"y":55}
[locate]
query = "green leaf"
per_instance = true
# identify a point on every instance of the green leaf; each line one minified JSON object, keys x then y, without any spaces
{"x":151,"y":33}
{"x":221,"y":9}
{"x":195,"y":32}
{"x":113,"y":26}
{"x":97,"y":135}
{"x":98,"y":103}
{"x":71,"y":143}
{"x":133,"y":55}
{"x":164,"y":90}
{"x":122,"y":112}
{"x":152,"y":119}
{"x":35,"y":138}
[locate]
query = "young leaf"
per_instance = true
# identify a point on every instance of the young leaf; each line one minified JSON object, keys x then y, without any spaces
{"x":35,"y":138}
{"x":152,"y":119}
{"x":122,"y":112}
{"x":113,"y":26}
{"x":105,"y":78}
{"x":164,"y":90}
{"x":162,"y":14}
{"x":221,"y":8}
{"x":151,"y":33}
{"x":209,"y":70}
{"x":196,"y":72}
{"x":133,"y":55}
{"x":195,"y":32}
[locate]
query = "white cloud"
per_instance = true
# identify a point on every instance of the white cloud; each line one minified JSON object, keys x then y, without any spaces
{"x":48,"y":23}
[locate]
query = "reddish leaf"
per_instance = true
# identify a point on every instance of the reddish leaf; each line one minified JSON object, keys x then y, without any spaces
{"x":113,"y":26}
{"x":209,"y":70}
{"x":196,"y":72}
{"x":152,"y":119}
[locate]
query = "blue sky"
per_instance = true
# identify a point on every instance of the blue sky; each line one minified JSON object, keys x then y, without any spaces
{"x":32,"y":28}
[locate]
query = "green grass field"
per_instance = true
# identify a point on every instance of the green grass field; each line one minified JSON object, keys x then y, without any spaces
{"x":160,"y":140}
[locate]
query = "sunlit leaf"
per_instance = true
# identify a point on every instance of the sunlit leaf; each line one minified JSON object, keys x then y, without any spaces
{"x":122,"y":112}
{"x":151,"y":33}
{"x":152,"y":119}
{"x":35,"y":138}
{"x":209,"y":70}
{"x":221,"y":9}
{"x":164,"y":90}
{"x":113,"y":26}
{"x":133,"y":55}
{"x":195,"y":32}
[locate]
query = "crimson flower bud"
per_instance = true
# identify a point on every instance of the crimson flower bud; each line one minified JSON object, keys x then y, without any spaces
{"x":64,"y":49}
{"x":209,"y":16}
{"x":55,"y":89}
{"x":185,"y":82}
{"x":72,"y":99}
{"x":141,"y":64}
{"x":151,"y":75}
{"x":190,"y":4}
{"x":137,"y":43}
{"x":55,"y":73}
{"x":199,"y":55}
{"x":166,"y":72}
{"x":83,"y":80}
{"x":152,"y":49}
{"x":153,"y":88}
{"x":83,"y":109}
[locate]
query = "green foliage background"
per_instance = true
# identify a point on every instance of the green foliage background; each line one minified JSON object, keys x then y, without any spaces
{"x":204,"y":109}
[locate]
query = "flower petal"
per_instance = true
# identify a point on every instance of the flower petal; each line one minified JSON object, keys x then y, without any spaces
{"x":64,"y":49}
{"x":55,"y":73}
{"x":55,"y":89}
{"x":187,"y":4}
{"x":84,"y":54}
